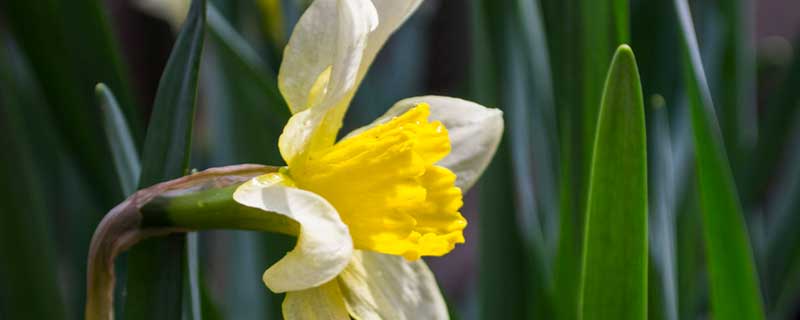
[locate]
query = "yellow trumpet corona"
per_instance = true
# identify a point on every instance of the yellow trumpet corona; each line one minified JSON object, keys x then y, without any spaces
{"x":387,"y":189}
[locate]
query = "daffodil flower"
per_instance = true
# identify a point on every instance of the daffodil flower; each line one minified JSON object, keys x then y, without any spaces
{"x":370,"y":205}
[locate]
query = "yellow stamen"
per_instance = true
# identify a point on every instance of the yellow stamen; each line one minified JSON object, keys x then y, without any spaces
{"x":385,"y":185}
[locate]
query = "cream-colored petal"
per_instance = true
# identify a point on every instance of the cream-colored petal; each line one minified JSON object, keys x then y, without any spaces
{"x":328,"y":55}
{"x":475,"y":132}
{"x":173,"y":11}
{"x":324,"y":246}
{"x":379,"y":286}
{"x":322,"y":58}
{"x":318,"y":75}
{"x":324,"y":303}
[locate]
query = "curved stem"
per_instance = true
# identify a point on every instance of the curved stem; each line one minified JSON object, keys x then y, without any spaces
{"x":214,"y":209}
{"x":200,"y":201}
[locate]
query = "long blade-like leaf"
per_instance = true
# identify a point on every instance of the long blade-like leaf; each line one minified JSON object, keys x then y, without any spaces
{"x":248,"y":61}
{"x":614,"y":283}
{"x":502,"y":255}
{"x":783,"y":246}
{"x":156,"y":266}
{"x":29,"y":287}
{"x":734,"y":286}
{"x":70,"y":48}
{"x":561,"y":19}
{"x":195,"y":302}
{"x":604,"y":26}
{"x":662,"y":217}
{"x":123,"y":148}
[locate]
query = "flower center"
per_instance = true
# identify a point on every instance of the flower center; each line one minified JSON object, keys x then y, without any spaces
{"x":387,"y":189}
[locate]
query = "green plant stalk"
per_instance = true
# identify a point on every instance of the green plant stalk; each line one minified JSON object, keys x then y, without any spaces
{"x":212,"y":209}
{"x":200,"y":201}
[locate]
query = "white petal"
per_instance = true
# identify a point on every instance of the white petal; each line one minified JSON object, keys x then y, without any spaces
{"x":329,"y":53}
{"x":323,"y":247}
{"x":331,"y":35}
{"x":380,"y":286}
{"x":475,"y":132}
{"x":173,"y":11}
{"x":324,"y":302}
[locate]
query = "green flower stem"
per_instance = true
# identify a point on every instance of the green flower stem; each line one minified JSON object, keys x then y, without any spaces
{"x":213,"y":209}
{"x":201,"y":201}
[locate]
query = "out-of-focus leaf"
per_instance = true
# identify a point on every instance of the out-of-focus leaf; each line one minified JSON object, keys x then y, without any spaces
{"x":504,"y":266}
{"x":70,"y":49}
{"x":531,"y":228}
{"x":662,"y":217}
{"x":773,"y":182}
{"x":734,"y":286}
{"x":526,"y":97}
{"x":245,"y":120}
{"x":654,"y":36}
{"x":126,"y":162}
{"x":195,"y":302}
{"x":783,"y":242}
{"x":604,"y":26}
{"x":531,"y":113}
{"x":737,"y":101}
{"x":29,"y":284}
{"x":156,"y":266}
{"x":775,"y":128}
{"x":123,"y":148}
{"x":562,"y":23}
{"x":614,"y":277}
{"x":248,"y":60}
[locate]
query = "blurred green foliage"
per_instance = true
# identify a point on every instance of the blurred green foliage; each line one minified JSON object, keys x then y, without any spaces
{"x":721,"y":123}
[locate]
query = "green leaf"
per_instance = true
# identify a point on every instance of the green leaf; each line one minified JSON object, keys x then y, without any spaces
{"x":604,"y":26}
{"x":780,"y":113}
{"x":195,"y":302}
{"x":247,"y":60}
{"x":691,"y":278}
{"x":156,"y":266}
{"x":245,"y":110}
{"x":562,"y":19}
{"x":783,"y":240}
{"x":506,"y":263}
{"x":663,"y":285}
{"x":774,"y":180}
{"x":662,"y":217}
{"x":70,"y":48}
{"x":529,"y":102}
{"x":614,"y":277}
{"x":29,"y":287}
{"x":734,"y":286}
{"x":502,"y":265}
{"x":123,"y":148}
{"x":582,"y":36}
{"x":737,"y":79}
